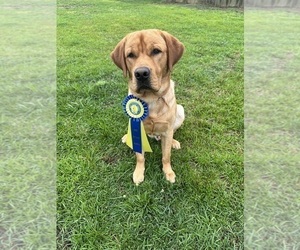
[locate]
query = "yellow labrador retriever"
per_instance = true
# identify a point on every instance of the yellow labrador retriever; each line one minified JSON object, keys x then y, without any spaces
{"x":147,"y":57}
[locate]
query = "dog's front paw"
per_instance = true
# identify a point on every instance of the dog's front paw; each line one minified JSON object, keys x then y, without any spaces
{"x":175,"y":144}
{"x":138,"y":177}
{"x":124,"y":138}
{"x":170,"y":176}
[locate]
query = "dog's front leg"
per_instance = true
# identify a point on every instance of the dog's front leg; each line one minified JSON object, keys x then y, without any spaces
{"x":138,"y":174}
{"x":166,"y":144}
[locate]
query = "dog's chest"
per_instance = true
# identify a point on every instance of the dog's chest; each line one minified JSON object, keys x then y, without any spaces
{"x":158,"y":121}
{"x":155,"y":128}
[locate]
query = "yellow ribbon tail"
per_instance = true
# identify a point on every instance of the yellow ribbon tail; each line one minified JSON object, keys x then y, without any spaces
{"x":145,"y":143}
{"x":129,"y":136}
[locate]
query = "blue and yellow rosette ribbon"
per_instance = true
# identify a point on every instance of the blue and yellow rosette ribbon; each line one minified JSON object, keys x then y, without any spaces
{"x":137,"y":110}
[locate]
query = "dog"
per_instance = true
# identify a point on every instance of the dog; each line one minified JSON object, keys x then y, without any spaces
{"x":147,"y":57}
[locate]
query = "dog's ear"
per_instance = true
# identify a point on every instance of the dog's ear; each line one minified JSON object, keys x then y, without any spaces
{"x":118,"y":56}
{"x":175,"y":49}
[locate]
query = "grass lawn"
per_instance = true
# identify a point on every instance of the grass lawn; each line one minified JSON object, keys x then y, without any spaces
{"x":272,"y":118}
{"x":27,"y":125}
{"x":98,"y":205}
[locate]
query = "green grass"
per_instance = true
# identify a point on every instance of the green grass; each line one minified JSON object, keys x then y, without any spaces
{"x":27,"y":122}
{"x":98,"y":205}
{"x":272,"y":118}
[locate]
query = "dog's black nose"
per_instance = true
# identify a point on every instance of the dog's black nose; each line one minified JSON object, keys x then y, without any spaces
{"x":142,"y":73}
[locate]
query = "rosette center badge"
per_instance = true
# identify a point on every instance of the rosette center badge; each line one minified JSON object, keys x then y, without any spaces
{"x":137,"y":110}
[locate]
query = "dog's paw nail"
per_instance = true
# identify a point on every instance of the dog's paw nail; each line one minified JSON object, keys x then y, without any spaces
{"x":137,"y":183}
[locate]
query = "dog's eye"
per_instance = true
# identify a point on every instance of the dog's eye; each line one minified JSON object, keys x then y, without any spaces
{"x":155,"y":51}
{"x":130,"y":55}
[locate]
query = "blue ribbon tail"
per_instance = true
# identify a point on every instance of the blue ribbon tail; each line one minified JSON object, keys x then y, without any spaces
{"x":136,"y":135}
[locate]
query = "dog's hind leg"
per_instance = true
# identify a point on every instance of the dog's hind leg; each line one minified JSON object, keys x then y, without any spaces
{"x":175,"y":144}
{"x":179,"y":117}
{"x":178,"y":122}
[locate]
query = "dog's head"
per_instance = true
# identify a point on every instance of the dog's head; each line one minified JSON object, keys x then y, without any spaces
{"x":148,"y":57}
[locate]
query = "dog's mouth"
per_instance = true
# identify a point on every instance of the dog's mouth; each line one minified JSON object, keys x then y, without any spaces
{"x":144,"y":88}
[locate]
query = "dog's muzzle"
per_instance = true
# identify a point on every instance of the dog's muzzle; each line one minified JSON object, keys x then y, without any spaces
{"x":142,"y":76}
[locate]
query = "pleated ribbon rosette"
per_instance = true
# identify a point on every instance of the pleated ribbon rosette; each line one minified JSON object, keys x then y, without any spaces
{"x":137,"y":110}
